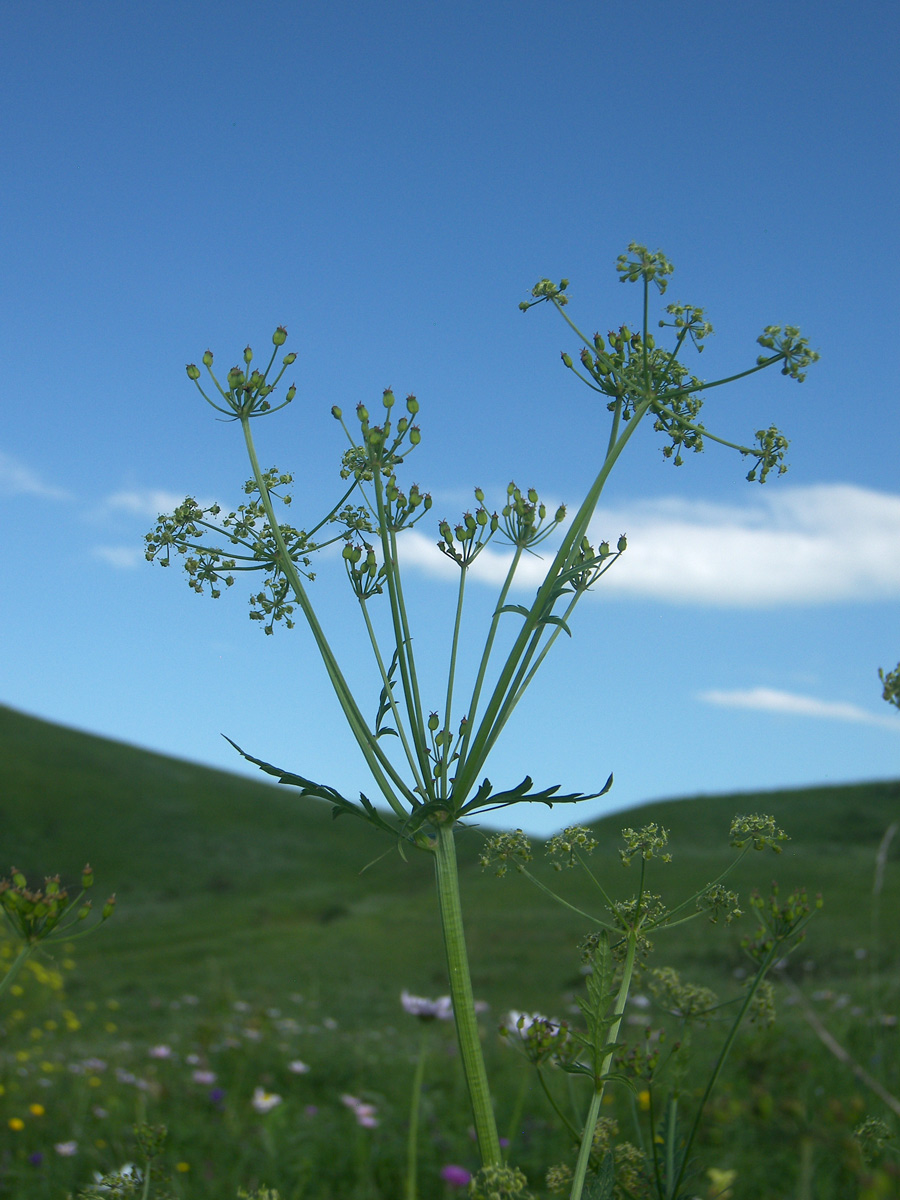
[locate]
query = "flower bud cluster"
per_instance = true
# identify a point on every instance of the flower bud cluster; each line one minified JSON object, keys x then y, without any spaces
{"x":757,"y":829}
{"x":690,"y":322}
{"x":872,"y":1135}
{"x":38,"y":913}
{"x":273,"y":604}
{"x":687,"y":1000}
{"x":247,"y":395}
{"x":499,"y":1183}
{"x":365,"y":575}
{"x":545,"y":289}
{"x":673,"y":422}
{"x":646,"y":841}
{"x":465,"y":541}
{"x":630,"y":1161}
{"x":248,"y":530}
{"x":525,"y":517}
{"x":559,"y":1179}
{"x":631,"y":371}
{"x":780,"y":920}
{"x":589,"y":564}
{"x":540,"y":1038}
{"x":402,"y":511}
{"x":891,"y":682}
{"x":638,"y":376}
{"x":381,"y":447}
{"x":632,"y":917}
{"x":444,"y":750}
{"x":769,"y":454}
{"x":790,"y":346}
{"x":642,"y":1061}
{"x":762,"y":1006}
{"x":652,"y":268}
{"x":563,"y":849}
{"x":718,"y":900}
{"x":505,"y":849}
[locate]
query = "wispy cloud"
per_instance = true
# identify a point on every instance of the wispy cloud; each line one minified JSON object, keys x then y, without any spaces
{"x":18,"y":480}
{"x":771,"y":700}
{"x":123,"y":558}
{"x":824,"y":544}
{"x":144,"y":502}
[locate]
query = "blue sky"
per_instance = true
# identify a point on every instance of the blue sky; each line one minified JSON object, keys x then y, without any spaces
{"x":388,"y":181}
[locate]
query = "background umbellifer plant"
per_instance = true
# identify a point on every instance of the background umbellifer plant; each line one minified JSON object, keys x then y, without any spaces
{"x":426,"y":755}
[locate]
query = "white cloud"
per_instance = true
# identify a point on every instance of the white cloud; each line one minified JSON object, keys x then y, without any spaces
{"x":18,"y":480}
{"x":771,"y":700}
{"x":145,"y":502}
{"x":823,"y":544}
{"x":123,"y":558}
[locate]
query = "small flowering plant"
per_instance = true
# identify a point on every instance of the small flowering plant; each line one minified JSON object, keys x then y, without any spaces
{"x":427,"y":755}
{"x":44,"y":915}
{"x":425,"y":1009}
{"x":614,"y":953}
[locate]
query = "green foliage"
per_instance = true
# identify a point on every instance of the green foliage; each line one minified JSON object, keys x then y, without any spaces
{"x":891,"y":682}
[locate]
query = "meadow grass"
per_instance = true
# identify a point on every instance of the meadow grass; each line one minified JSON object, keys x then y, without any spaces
{"x":248,"y":946}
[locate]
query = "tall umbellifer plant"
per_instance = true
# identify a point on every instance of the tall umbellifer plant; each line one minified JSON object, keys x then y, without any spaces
{"x":427,"y":757}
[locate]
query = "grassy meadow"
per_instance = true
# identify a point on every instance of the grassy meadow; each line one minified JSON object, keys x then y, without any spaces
{"x":246,"y":992}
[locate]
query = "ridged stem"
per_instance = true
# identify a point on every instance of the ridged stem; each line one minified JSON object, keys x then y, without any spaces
{"x":447,"y":878}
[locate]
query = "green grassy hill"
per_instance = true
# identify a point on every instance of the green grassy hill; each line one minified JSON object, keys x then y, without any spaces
{"x":252,"y":930}
{"x":221,"y":877}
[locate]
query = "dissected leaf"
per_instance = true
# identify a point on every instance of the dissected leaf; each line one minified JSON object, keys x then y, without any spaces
{"x":485,"y":800}
{"x":365,"y":810}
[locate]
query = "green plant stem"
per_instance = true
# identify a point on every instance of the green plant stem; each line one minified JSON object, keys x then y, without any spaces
{"x":587,"y":1144}
{"x":416,"y":713}
{"x":412,"y":1145}
{"x":377,"y":762}
{"x":468,"y":772}
{"x":560,"y":900}
{"x":16,"y":966}
{"x":523,"y":680}
{"x":395,"y":712}
{"x":451,"y":674}
{"x":576,"y":1137}
{"x":402,"y":639}
{"x":587,"y":1138}
{"x":513,"y":1128}
{"x":447,"y":878}
{"x":671,"y":1125}
{"x":772,"y":955}
{"x":486,"y":654}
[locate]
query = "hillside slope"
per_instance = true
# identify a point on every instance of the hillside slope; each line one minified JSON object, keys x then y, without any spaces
{"x":220,"y":876}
